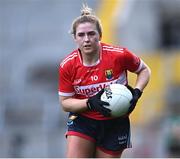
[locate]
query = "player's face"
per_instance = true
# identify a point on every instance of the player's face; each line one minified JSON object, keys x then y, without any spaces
{"x":87,"y":38}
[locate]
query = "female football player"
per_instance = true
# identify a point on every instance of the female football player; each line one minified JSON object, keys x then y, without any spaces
{"x":83,"y":75}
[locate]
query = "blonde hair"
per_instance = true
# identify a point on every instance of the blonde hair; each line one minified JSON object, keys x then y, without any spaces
{"x":87,"y":15}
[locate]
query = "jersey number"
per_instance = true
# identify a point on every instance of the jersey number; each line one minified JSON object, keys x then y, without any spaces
{"x":94,"y":78}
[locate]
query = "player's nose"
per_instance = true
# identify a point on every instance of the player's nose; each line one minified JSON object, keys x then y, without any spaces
{"x":86,"y":37}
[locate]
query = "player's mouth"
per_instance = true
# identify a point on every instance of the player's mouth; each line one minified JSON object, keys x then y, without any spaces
{"x":87,"y":46}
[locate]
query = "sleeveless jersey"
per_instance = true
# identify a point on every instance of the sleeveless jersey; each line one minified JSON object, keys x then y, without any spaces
{"x":81,"y":81}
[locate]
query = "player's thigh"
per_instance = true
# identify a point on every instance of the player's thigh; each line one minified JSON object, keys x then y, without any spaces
{"x":101,"y":154}
{"x":78,"y":147}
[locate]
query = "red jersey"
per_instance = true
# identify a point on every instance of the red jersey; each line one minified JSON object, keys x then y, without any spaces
{"x":81,"y":81}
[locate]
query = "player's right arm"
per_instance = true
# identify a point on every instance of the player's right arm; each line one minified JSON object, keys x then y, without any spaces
{"x":66,"y":90}
{"x":74,"y":105}
{"x":70,"y":104}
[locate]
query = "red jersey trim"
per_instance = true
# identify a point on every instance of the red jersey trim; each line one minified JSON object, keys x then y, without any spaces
{"x":66,"y":94}
{"x":141,"y":66}
{"x":113,"y":153}
{"x":68,"y":58}
{"x":112,"y":48}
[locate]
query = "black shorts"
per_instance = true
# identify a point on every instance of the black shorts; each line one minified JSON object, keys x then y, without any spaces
{"x":111,"y":136}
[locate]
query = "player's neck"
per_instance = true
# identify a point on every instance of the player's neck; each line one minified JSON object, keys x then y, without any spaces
{"x":90,"y":59}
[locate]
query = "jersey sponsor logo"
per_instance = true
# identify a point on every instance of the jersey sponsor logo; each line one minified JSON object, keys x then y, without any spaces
{"x":91,"y":90}
{"x":109,"y":74}
{"x":77,"y":81}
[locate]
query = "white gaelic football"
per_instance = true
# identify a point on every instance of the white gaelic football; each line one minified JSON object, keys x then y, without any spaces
{"x":119,"y":97}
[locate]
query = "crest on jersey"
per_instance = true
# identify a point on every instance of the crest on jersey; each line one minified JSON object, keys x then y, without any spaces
{"x":109,"y":74}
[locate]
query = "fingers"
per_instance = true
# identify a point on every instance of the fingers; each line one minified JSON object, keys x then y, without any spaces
{"x":133,"y":101}
{"x":101,"y":92}
{"x":104,"y":103}
{"x":103,"y":110}
{"x":106,"y":112}
{"x":130,"y":88}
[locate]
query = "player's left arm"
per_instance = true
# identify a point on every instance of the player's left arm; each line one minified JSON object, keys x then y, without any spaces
{"x":138,"y":66}
{"x":143,"y":76}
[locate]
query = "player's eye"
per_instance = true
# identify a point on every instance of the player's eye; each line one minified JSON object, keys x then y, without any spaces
{"x":80,"y":34}
{"x":92,"y":33}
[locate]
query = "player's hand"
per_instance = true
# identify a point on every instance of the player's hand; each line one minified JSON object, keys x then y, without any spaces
{"x":136,"y":95}
{"x":95,"y":103}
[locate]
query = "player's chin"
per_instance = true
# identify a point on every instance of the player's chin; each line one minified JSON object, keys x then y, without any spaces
{"x":87,"y":51}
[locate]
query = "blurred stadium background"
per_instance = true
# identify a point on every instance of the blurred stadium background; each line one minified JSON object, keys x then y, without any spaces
{"x":33,"y":40}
